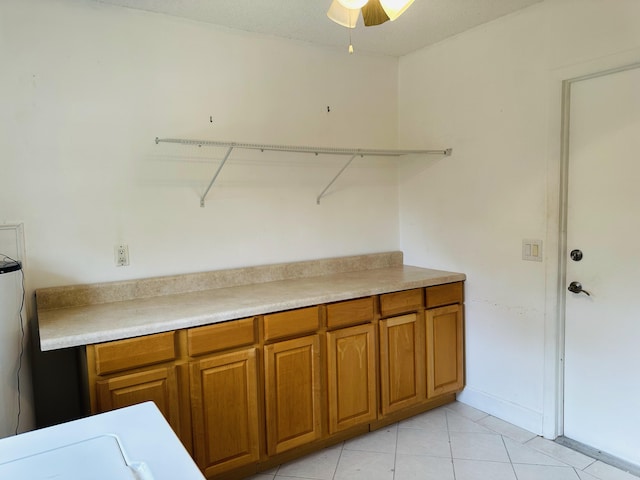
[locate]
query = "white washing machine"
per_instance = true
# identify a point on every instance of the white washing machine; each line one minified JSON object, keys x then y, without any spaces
{"x":132,"y":443}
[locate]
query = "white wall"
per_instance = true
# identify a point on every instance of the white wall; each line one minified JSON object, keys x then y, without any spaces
{"x":87,"y":87}
{"x":493,"y":94}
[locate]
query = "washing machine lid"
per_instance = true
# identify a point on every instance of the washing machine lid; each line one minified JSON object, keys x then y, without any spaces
{"x":99,"y":458}
{"x":130,"y":443}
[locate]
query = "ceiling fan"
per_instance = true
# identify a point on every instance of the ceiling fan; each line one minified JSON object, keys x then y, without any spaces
{"x":374,"y":12}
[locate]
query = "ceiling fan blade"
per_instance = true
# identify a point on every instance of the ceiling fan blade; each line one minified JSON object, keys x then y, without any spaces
{"x":373,"y":13}
{"x":343,"y":16}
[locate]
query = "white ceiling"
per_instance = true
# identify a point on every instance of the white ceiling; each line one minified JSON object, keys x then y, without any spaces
{"x":424,"y":23}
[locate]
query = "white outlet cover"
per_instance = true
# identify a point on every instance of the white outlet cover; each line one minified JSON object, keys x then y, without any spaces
{"x":122,"y":260}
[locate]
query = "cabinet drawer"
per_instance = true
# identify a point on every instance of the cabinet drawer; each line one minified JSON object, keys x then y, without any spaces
{"x":351,"y":312}
{"x":446,"y":294}
{"x":293,"y":322}
{"x":220,"y":336}
{"x":134,"y":352}
{"x":401,"y":302}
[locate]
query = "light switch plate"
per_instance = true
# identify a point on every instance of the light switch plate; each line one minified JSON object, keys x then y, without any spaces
{"x":532,"y":250}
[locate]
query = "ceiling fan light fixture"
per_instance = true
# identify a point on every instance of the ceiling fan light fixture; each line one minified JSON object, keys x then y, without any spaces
{"x":353,"y":4}
{"x":395,"y":8}
{"x":374,"y":14}
{"x":347,"y":17}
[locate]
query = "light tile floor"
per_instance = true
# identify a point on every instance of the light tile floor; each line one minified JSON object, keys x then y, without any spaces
{"x":454,"y":442}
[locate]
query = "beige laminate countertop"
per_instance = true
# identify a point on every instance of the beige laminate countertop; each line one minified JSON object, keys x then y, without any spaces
{"x":83,"y":325}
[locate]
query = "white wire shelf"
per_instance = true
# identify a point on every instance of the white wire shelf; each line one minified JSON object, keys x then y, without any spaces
{"x":352,"y":152}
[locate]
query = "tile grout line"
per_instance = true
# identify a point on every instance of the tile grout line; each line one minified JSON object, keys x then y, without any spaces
{"x":557,"y":457}
{"x":583,"y":469}
{"x":395,"y":455}
{"x":453,"y":465}
{"x":335,"y":470}
{"x":515,"y":474}
{"x":576,"y":469}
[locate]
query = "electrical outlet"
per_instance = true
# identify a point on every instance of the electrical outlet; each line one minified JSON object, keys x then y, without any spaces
{"x":122,"y":255}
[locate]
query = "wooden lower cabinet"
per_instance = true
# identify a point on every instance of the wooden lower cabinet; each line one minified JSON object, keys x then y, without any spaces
{"x":245,"y":394}
{"x":224,"y":399}
{"x":159,"y":384}
{"x":401,"y":362}
{"x":351,"y":377}
{"x":445,"y":350}
{"x":292,"y":393}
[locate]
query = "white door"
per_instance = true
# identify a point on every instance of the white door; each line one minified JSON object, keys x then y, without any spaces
{"x":602,"y":336}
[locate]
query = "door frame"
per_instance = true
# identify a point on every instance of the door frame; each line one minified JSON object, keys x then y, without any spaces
{"x":556,"y":268}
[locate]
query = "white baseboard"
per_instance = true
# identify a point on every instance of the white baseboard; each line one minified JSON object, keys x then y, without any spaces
{"x":498,"y":407}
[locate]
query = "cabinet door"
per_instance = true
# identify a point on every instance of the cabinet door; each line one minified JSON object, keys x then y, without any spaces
{"x":351,"y":373}
{"x":159,"y":385}
{"x":401,"y":363}
{"x":445,"y":350}
{"x":292,"y":384}
{"x":224,"y":396}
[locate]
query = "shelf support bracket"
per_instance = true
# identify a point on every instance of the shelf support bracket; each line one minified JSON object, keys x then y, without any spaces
{"x":335,"y":178}
{"x":215,"y":176}
{"x":352,"y":152}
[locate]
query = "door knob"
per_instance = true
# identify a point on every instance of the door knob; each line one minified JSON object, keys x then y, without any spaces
{"x":576,"y":255}
{"x":576,"y":287}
